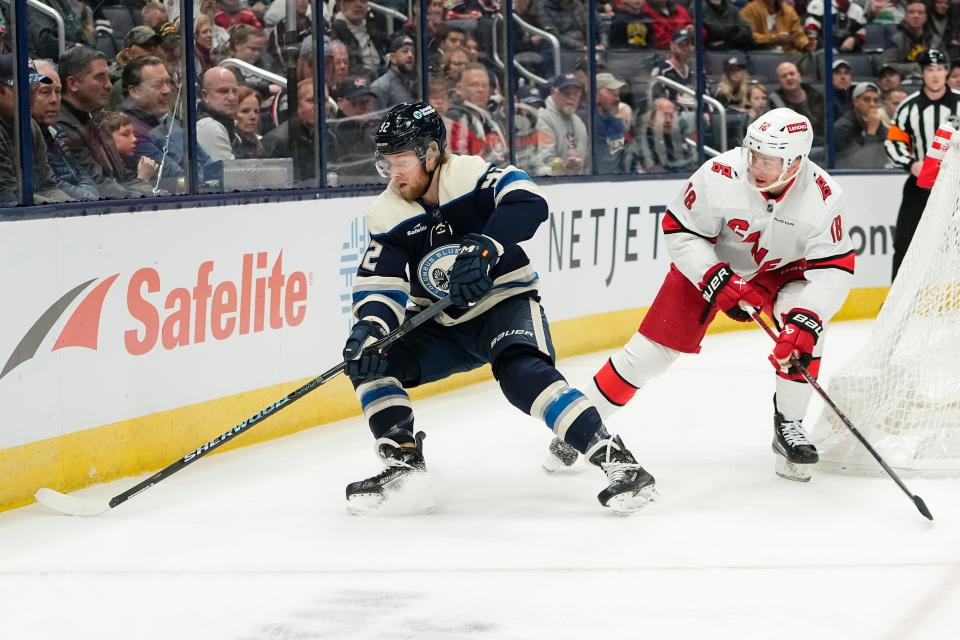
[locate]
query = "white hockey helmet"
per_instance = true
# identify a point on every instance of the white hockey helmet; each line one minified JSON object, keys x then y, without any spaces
{"x":782,"y":133}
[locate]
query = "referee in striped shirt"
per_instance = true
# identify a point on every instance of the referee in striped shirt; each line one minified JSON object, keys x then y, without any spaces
{"x":909,"y":136}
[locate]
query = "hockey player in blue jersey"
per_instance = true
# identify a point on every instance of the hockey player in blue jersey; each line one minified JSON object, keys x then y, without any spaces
{"x":449,"y":225}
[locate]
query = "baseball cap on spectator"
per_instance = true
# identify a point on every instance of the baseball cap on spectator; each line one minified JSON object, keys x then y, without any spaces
{"x":531,"y":95}
{"x":887,"y":68}
{"x":567,"y":80}
{"x":399,"y":42}
{"x":353,"y":88}
{"x":7,"y":71}
{"x":609,"y":81}
{"x":680,"y":35}
{"x":143,"y":36}
{"x":734,"y":62}
{"x":840,"y":62}
{"x":862,"y":87}
{"x":306,"y":47}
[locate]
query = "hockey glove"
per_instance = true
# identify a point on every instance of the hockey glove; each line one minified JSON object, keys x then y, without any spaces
{"x":363,"y":366}
{"x":724,"y":288}
{"x":801,"y":329}
{"x":470,"y":274}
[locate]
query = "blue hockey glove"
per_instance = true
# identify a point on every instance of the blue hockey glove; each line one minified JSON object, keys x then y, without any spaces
{"x":470,"y":274}
{"x":364,"y":366}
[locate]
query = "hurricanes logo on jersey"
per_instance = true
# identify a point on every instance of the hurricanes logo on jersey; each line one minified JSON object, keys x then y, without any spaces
{"x":432,"y":270}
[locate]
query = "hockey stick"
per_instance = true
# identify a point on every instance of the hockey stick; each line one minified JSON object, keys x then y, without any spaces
{"x":74,"y":506}
{"x":917,"y":500}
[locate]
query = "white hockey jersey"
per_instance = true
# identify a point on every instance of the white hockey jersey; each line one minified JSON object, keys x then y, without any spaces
{"x":718,"y":217}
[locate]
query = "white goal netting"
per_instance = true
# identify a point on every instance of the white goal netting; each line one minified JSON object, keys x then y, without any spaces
{"x":902,"y":391}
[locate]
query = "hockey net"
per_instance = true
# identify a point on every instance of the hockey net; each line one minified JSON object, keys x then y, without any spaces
{"x":902,"y":391}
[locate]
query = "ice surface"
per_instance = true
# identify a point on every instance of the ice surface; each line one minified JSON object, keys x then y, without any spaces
{"x":256,"y":544}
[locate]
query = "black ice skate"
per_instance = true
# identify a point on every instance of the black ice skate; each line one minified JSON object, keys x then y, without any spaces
{"x":402,"y":462}
{"x":560,"y":458}
{"x":630,"y":486}
{"x":793,"y":448}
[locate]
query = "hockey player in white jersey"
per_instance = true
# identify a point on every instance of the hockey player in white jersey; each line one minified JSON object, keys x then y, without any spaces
{"x":758,"y":227}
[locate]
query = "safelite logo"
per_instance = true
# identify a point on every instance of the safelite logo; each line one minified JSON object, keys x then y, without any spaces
{"x":178,"y":318}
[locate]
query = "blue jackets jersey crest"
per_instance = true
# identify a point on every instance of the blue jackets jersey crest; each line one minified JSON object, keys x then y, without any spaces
{"x":413,"y":245}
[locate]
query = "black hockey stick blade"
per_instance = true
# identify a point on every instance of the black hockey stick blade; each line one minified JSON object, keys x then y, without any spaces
{"x":74,"y":506}
{"x":917,"y":500}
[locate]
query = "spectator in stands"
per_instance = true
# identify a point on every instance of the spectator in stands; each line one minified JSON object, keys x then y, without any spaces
{"x":666,"y":18}
{"x":842,"y":88}
{"x":659,"y":145}
{"x":912,"y":38}
{"x":278,"y":143}
{"x":859,"y":135}
{"x":484,"y":130}
{"x":776,"y":27}
{"x":216,"y":127}
{"x":533,"y":51}
{"x":455,"y":61}
{"x":724,"y":27}
{"x":339,"y":65}
{"x":233,"y":12}
{"x":86,"y":84}
{"x":630,"y":27}
{"x":45,"y":110}
{"x":248,"y":125}
{"x":527,"y":138}
{"x":170,"y":47}
{"x":43,"y":41}
{"x":249,"y":45}
{"x":203,"y":45}
{"x":954,"y":78}
{"x":153,"y":14}
{"x":888,"y":78}
{"x":951,"y":36}
{"x":45,"y":188}
{"x":118,"y":127}
{"x":353,"y":130}
{"x":139,"y":42}
{"x":758,"y":102}
{"x":364,"y":36}
{"x":473,"y":9}
{"x":565,"y":146}
{"x":938,"y":19}
{"x":733,"y":86}
{"x":849,"y":20}
{"x":148,"y":89}
{"x":799,"y":96}
{"x":885,"y":11}
{"x":568,"y":21}
{"x":677,"y":69}
{"x":609,"y":130}
{"x":891,"y":102}
{"x":399,"y":83}
{"x":277,"y":34}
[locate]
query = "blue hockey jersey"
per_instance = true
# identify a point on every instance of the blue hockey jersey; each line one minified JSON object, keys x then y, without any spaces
{"x":413,"y":245}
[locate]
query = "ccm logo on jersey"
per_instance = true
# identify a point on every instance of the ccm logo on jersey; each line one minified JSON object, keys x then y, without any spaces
{"x":796,"y":127}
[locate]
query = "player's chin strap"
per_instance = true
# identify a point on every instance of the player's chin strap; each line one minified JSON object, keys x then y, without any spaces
{"x":917,"y":500}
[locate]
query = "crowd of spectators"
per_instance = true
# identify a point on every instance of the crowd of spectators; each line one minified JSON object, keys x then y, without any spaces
{"x":110,"y":125}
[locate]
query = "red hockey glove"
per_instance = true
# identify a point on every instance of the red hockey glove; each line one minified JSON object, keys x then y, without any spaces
{"x":724,"y":288}
{"x":801,"y":329}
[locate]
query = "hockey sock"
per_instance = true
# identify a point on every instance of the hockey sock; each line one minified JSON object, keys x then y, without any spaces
{"x":639,"y":361}
{"x":791,"y":399}
{"x":387,"y":407}
{"x":535,"y":387}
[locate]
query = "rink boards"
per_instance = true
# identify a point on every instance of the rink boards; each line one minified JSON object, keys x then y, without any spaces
{"x":129,"y":339}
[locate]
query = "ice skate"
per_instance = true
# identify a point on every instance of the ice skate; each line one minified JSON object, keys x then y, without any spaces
{"x":631,"y":487}
{"x":794,"y":450}
{"x":365,"y":496}
{"x":561,"y":457}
